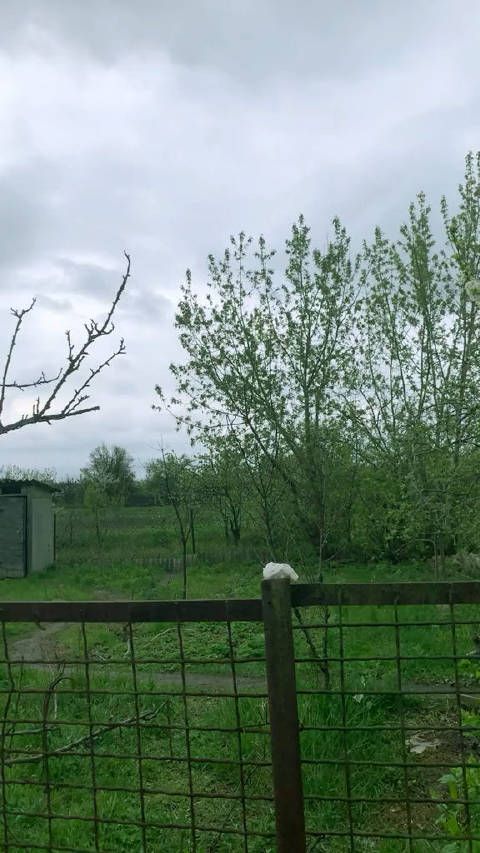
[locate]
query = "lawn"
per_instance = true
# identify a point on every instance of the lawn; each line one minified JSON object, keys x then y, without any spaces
{"x":359,"y":731}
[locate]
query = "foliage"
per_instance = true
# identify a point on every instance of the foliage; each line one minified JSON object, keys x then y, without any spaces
{"x":71,"y":492}
{"x":352,"y":379}
{"x":110,"y":473}
{"x":175,"y":478}
{"x":452,"y":818}
{"x":225,"y":479}
{"x":266,"y":360}
{"x":334,"y":404}
{"x":15,"y":472}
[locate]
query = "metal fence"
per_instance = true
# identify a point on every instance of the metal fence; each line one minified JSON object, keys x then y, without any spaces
{"x":389,"y":716}
{"x":320,"y":718}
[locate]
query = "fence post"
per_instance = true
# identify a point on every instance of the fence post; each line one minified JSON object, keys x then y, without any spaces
{"x":284,"y":733}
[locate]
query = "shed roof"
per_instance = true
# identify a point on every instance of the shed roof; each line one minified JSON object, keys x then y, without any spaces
{"x":10,"y":483}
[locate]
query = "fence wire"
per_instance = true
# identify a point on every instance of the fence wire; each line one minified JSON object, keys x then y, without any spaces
{"x":119,"y":737}
{"x":146,"y":726}
{"x":390,"y":734}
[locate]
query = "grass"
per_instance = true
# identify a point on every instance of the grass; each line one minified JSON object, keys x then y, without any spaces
{"x":363,"y":725}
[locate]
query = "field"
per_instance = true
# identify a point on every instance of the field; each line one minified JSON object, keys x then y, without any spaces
{"x":49,"y":801}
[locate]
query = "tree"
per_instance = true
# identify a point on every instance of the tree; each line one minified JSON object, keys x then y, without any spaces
{"x":415,"y":405}
{"x":71,"y":492}
{"x":110,"y":471}
{"x":50,"y":407}
{"x":225,"y":477}
{"x":349,"y":385}
{"x":267,"y":360}
{"x":175,"y":478}
{"x":15,"y":472}
{"x":70,"y":495}
{"x":95,"y":499}
{"x":267,"y":489}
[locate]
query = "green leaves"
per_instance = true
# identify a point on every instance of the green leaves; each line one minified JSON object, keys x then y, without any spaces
{"x":367,"y":364}
{"x":109,"y":476}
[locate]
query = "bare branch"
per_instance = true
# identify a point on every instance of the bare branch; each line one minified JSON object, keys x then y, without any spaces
{"x":42,"y":380}
{"x":147,"y":716}
{"x":45,"y":411}
{"x":20,"y":315}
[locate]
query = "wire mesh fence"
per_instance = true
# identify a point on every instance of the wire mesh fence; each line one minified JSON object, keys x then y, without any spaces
{"x":327,"y":718}
{"x":388,"y":687}
{"x":133,"y":735}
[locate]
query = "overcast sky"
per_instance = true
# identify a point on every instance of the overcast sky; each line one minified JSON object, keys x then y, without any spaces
{"x":161,"y":128}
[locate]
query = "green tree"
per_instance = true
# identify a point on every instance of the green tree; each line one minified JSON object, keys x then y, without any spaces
{"x":71,"y":492}
{"x":110,"y":471}
{"x":267,"y":360}
{"x":349,"y":385}
{"x":225,"y":478}
{"x":415,"y":400}
{"x":95,"y":499}
{"x":16,"y":472}
{"x":175,"y":479}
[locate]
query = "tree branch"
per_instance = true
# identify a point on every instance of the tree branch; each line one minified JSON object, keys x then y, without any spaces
{"x":44,"y":411}
{"x":85,"y":739}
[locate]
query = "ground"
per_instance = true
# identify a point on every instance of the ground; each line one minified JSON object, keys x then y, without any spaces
{"x":354,"y":744}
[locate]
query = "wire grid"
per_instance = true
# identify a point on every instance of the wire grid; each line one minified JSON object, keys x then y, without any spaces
{"x":390,"y":735}
{"x":134,"y":737}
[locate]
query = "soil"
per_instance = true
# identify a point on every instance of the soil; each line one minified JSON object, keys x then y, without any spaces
{"x":44,"y":644}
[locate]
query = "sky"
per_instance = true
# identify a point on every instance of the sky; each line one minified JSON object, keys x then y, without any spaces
{"x":162,"y":128}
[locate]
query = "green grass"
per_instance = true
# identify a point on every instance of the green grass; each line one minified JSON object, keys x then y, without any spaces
{"x":123,"y":566}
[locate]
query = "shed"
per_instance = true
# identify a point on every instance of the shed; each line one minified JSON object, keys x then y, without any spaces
{"x":27,"y":527}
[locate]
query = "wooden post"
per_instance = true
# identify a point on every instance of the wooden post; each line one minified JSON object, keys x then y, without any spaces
{"x":284,"y":732}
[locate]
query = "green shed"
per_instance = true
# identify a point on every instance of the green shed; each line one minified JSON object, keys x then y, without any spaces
{"x":27,"y":527}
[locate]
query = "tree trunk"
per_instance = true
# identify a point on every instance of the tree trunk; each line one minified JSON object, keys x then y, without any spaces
{"x":97,"y":525}
{"x":184,"y":567}
{"x":235,"y":530}
{"x":226,"y":529}
{"x":192,"y":531}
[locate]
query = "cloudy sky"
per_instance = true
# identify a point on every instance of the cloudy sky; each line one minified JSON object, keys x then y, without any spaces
{"x":161,"y":128}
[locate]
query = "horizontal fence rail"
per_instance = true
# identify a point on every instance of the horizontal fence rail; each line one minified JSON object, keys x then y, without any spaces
{"x":360,"y":594}
{"x":245,"y":610}
{"x":248,"y":610}
{"x":332,"y":717}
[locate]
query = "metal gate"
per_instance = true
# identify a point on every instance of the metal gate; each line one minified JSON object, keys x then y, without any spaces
{"x":13,"y":536}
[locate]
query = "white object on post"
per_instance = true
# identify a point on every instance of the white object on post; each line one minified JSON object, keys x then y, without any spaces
{"x":279,"y":570}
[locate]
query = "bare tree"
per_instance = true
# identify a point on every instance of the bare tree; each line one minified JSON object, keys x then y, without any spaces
{"x":49,"y":408}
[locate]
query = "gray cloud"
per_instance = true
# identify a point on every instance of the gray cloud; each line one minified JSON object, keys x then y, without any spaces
{"x":88,"y":278}
{"x":147,"y":306}
{"x":60,"y":306}
{"x":252,"y":41}
{"x":23,"y":199}
{"x":162,"y":128}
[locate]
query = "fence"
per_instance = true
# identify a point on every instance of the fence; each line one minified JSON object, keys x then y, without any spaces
{"x":327,"y":718}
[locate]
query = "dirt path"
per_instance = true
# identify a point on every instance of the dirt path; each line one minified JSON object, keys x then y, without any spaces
{"x":43,"y":644}
{"x":38,"y":644}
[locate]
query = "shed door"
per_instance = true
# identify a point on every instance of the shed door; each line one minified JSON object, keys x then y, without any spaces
{"x":13,"y":542}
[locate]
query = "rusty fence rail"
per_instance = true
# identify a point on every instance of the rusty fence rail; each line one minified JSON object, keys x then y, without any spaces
{"x":340,"y":717}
